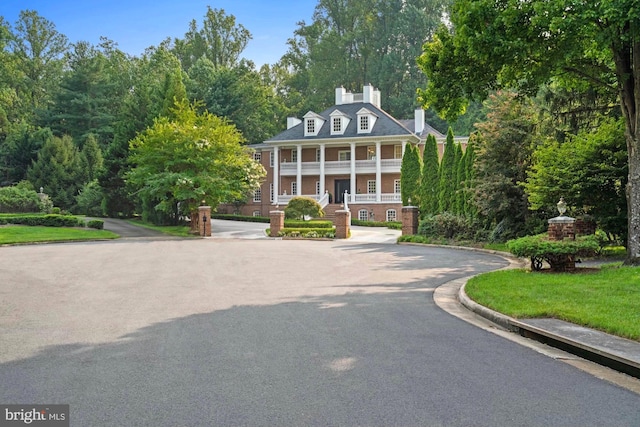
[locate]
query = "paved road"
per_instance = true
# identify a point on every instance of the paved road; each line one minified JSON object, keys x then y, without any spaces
{"x":202,"y":332}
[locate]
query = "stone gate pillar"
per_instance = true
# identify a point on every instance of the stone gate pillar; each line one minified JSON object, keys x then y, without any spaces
{"x":343,"y":224}
{"x":276,"y":219}
{"x":410,"y":216}
{"x":204,"y":214}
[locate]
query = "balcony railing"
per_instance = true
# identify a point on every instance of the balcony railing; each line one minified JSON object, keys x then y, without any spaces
{"x":283,"y":199}
{"x":341,"y":167}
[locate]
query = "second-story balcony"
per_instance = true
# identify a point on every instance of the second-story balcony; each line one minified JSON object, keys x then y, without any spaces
{"x":341,"y":167}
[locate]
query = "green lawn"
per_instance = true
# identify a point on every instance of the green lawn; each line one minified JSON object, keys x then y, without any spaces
{"x":23,"y":234}
{"x":172,"y":230}
{"x":608,"y":300}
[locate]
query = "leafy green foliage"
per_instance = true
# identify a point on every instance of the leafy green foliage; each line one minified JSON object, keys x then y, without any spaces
{"x":293,"y":223}
{"x":98,"y":224}
{"x":308,"y":233}
{"x":50,"y":220}
{"x":589,"y":170}
{"x":193,"y":159}
{"x":300,"y":207}
{"x":89,"y":199}
{"x":448,"y":226}
{"x":19,"y":199}
{"x":540,"y":246}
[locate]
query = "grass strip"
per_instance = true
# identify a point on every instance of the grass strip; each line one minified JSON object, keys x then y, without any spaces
{"x":171,"y":230}
{"x":607,"y":300}
{"x":12,"y":234}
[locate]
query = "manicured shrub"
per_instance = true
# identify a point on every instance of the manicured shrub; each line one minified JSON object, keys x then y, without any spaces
{"x":300,"y":207}
{"x":556,"y":252}
{"x":51,"y":220}
{"x":243,"y":218}
{"x":309,"y":233}
{"x":394,"y":225}
{"x":294,"y":223}
{"x":446,"y":225}
{"x":19,"y":199}
{"x":98,"y":224}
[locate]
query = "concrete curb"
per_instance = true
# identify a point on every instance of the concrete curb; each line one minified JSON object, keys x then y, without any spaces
{"x":617,"y":361}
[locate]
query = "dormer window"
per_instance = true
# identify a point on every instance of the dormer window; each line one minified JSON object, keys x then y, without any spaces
{"x":339,"y":122}
{"x":312,"y":123}
{"x":366,"y":120}
{"x":364,"y":123}
{"x":337,"y":125}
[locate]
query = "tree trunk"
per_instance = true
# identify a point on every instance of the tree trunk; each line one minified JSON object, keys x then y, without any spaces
{"x":626,"y":56}
{"x":633,"y":201}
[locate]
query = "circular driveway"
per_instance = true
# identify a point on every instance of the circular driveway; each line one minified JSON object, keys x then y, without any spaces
{"x":221,"y":331}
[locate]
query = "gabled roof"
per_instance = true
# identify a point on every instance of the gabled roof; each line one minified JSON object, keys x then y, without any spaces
{"x":385,"y":125}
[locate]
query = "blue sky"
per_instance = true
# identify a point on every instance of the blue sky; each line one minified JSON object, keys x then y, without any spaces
{"x":138,"y":24}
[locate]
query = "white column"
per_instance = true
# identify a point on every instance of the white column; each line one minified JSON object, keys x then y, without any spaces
{"x":353,"y":173}
{"x":276,"y":175}
{"x":404,"y":145}
{"x":299,"y":170}
{"x":378,"y":173}
{"x":322,"y":189}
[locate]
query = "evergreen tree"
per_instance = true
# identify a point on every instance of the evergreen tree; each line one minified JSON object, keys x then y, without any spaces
{"x":458,"y":176}
{"x":91,"y":160}
{"x":57,"y":170}
{"x":469,"y":207}
{"x":410,"y":176}
{"x":429,"y":181}
{"x":447,"y":180}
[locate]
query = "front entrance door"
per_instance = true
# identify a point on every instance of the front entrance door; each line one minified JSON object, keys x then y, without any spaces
{"x":341,"y":185}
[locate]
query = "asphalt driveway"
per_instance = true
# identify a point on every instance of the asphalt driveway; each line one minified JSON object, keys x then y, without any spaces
{"x":222,"y":331}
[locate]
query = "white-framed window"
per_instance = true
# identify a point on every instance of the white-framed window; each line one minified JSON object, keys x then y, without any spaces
{"x":294,"y":155}
{"x":396,"y":186}
{"x":364,"y":123}
{"x":294,"y":188}
{"x":344,"y":155}
{"x":257,"y":156}
{"x":363,"y":215}
{"x":391,"y":215}
{"x":371,"y":186}
{"x":397,"y":151}
{"x":271,"y":158}
{"x":371,"y":152}
{"x":256,"y":213}
{"x":336,"y":124}
{"x":257,"y":195}
{"x":317,"y":187}
{"x":271,"y":192}
{"x":318,"y":155}
{"x":311,"y":126}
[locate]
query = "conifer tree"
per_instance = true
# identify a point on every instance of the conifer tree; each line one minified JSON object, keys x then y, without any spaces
{"x":446,"y":174}
{"x":458,"y":176}
{"x":429,"y":180}
{"x":470,"y":210}
{"x":410,"y":176}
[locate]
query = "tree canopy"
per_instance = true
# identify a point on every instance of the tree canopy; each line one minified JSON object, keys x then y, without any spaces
{"x":523,"y":44}
{"x":191,"y":159}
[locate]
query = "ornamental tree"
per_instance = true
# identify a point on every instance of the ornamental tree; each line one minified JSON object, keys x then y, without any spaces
{"x":191,"y":159}
{"x":523,"y":44}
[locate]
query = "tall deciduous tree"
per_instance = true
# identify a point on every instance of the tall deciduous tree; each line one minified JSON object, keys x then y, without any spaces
{"x":221,"y":40}
{"x":353,"y":43}
{"x":429,"y":181}
{"x":523,"y":44}
{"x":38,"y":49}
{"x":181,"y":162}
